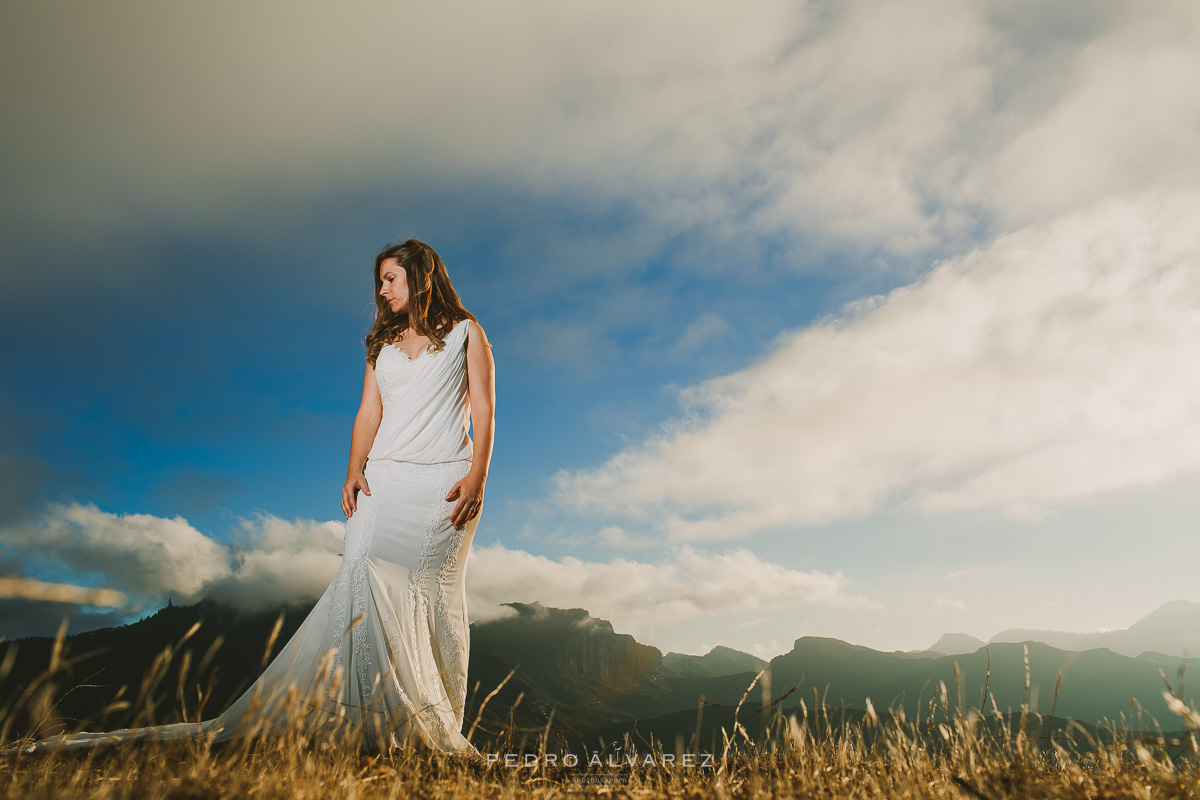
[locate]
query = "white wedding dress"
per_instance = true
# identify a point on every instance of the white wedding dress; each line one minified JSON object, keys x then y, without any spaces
{"x":382,"y":657}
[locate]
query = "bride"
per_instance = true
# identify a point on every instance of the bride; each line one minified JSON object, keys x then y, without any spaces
{"x":382,"y":657}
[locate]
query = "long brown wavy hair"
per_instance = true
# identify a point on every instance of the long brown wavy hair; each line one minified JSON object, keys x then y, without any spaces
{"x":433,"y":305}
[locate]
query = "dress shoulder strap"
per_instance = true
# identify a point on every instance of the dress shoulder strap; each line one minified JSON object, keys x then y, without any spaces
{"x":465,"y":324}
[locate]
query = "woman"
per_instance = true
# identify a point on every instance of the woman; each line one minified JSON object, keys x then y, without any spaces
{"x":429,"y":375}
{"x":382,"y":657}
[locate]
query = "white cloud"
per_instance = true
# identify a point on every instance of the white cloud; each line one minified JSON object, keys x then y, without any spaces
{"x":290,"y":103}
{"x":1057,"y":363}
{"x":767,"y":650}
{"x":701,"y":332}
{"x":278,"y":561}
{"x":901,"y":127}
{"x":637,"y":597}
{"x":135,"y":553}
{"x":1123,"y":120}
{"x":281,"y":561}
{"x":151,"y":558}
{"x":615,"y":537}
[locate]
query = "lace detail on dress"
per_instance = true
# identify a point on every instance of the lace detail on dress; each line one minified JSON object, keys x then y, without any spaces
{"x":458,"y":681}
{"x":354,"y":572}
{"x":393,"y":371}
{"x":360,"y":640}
{"x":423,"y":473}
{"x":349,"y":585}
{"x":422,"y":635}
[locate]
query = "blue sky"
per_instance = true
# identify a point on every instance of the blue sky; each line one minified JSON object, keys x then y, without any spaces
{"x":835,"y":319}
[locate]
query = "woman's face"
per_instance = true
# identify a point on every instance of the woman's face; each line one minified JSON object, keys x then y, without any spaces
{"x":395,"y":286}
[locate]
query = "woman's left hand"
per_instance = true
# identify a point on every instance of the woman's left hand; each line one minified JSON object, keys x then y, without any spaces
{"x":469,"y":493}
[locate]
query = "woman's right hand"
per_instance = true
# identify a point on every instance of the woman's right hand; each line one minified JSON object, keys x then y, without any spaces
{"x":350,"y":490}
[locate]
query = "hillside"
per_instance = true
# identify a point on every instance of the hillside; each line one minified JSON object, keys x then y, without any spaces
{"x":577,"y":674}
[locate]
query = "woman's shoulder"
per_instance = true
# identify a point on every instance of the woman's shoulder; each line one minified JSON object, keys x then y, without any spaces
{"x":464,"y":327}
{"x":458,"y":334}
{"x":466,"y":330}
{"x":475,"y":332}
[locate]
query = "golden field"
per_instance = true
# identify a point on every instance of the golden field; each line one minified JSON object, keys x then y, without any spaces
{"x":969,"y":766}
{"x":760,"y":749}
{"x":805,"y":754}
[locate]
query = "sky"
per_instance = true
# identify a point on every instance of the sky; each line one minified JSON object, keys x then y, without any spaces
{"x":871,"y":321}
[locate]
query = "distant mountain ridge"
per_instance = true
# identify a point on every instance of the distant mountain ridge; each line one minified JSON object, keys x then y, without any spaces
{"x":721,"y":660}
{"x":1172,"y":628}
{"x":572,"y":674}
{"x":1096,"y":684}
{"x":954,"y":643}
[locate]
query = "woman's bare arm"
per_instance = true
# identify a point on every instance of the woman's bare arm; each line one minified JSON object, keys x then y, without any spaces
{"x":366,"y":425}
{"x":481,"y":385}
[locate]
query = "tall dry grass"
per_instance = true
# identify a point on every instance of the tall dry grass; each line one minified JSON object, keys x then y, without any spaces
{"x":765,"y":750}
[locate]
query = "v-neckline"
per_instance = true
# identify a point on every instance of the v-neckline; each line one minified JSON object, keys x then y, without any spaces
{"x":419,"y":356}
{"x":425,"y":351}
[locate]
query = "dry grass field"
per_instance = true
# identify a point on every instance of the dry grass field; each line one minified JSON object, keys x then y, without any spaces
{"x":807,"y":750}
{"x":805,"y":754}
{"x":893,"y":765}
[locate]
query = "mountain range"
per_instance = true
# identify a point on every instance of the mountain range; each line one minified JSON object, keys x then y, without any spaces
{"x":568,"y":674}
{"x":1172,"y":628}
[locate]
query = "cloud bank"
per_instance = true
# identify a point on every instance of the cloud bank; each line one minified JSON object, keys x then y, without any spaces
{"x":894,"y":129}
{"x":1048,"y":360}
{"x":640,"y":597}
{"x":277,"y":561}
{"x":152,"y":558}
{"x":1054,"y":364}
